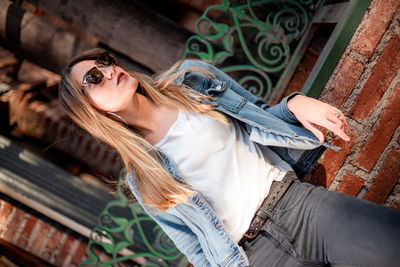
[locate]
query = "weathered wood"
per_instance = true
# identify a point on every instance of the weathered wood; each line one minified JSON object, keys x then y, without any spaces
{"x":50,"y":190}
{"x":7,"y":62}
{"x":57,"y":194}
{"x":126,"y":26}
{"x":36,"y":40}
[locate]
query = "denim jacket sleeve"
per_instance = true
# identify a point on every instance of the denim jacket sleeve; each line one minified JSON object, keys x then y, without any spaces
{"x":176,"y":229}
{"x":185,"y":240}
{"x":279,"y":110}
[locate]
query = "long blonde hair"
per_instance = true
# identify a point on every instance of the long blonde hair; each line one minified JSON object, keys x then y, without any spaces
{"x":155,"y":184}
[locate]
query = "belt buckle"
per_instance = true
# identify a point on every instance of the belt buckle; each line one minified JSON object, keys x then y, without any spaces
{"x":257,"y":222}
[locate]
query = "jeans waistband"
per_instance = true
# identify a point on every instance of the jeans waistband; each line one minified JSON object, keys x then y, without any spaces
{"x":278,"y":189}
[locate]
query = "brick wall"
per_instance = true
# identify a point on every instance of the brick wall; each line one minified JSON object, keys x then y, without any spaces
{"x":366,"y":86}
{"x":45,"y":239}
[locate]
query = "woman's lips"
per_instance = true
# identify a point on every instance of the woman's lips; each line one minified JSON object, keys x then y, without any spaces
{"x":120,"y":77}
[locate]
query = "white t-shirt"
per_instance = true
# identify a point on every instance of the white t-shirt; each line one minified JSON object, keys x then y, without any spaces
{"x":232,"y":173}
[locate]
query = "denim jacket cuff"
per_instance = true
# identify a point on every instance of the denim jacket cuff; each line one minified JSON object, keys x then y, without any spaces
{"x":289,"y":116}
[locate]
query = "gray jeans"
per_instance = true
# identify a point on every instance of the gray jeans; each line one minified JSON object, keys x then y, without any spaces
{"x":311,"y":226}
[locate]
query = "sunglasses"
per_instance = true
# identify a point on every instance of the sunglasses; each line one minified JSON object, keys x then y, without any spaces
{"x":94,"y":75}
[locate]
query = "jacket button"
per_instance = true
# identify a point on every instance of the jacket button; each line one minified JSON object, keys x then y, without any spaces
{"x":218,"y":87}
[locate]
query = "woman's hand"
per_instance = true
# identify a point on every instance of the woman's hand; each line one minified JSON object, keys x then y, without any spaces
{"x":312,"y":113}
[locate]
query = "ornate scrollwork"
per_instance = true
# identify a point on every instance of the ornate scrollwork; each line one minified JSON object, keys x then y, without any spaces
{"x":249,"y":36}
{"x":126,"y":232}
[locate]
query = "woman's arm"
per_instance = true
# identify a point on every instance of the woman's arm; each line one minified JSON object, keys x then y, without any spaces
{"x":294,"y":108}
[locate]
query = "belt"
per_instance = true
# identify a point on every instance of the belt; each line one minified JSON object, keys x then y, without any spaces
{"x":278,"y":189}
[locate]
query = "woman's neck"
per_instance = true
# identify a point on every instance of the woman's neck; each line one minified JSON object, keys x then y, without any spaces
{"x":150,"y":120}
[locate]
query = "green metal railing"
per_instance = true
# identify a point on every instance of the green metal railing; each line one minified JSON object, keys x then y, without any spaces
{"x":126,"y":232}
{"x":258,"y":42}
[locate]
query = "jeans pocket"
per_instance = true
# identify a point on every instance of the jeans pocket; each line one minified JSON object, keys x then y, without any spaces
{"x":295,"y":195}
{"x":286,"y":240}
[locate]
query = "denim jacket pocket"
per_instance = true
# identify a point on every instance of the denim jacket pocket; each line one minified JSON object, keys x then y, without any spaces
{"x":224,"y":96}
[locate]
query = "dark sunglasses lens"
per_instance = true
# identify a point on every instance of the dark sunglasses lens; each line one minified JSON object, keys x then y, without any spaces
{"x":94,"y":76}
{"x":106,"y":59}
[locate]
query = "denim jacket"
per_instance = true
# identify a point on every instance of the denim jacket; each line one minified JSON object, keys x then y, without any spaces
{"x":193,"y":226}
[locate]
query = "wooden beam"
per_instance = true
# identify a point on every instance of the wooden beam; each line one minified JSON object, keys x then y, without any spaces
{"x":126,"y":26}
{"x":34,"y":39}
{"x":8,"y":62}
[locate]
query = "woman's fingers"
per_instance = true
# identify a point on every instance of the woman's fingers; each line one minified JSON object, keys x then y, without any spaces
{"x":339,"y":125}
{"x":342,"y":134}
{"x":330,"y":122}
{"x":335,"y":125}
{"x":313,"y":128}
{"x":313,"y":113}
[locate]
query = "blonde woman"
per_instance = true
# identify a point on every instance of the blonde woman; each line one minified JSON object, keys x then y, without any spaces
{"x":218,"y":169}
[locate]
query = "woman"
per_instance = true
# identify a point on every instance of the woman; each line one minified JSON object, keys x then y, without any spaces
{"x":217,"y":168}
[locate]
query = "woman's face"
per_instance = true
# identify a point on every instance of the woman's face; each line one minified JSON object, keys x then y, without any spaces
{"x":114,"y":93}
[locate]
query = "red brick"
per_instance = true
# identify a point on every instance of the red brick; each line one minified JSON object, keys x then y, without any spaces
{"x":378,"y":19}
{"x":40,"y":238}
{"x":22,"y":241}
{"x":382,"y":132}
{"x":381,"y":76}
{"x":14,"y":225}
{"x":333,"y":160}
{"x":65,"y":250}
{"x":5,"y":211}
{"x":344,"y":82}
{"x":79,"y":253}
{"x":386,"y":179}
{"x":50,"y":251}
{"x":351,"y":184}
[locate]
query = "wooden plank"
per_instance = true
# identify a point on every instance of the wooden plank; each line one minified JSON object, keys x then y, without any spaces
{"x":7,"y":62}
{"x":126,"y":26}
{"x":55,"y":193}
{"x":37,"y":40}
{"x":43,"y":43}
{"x":49,"y":189}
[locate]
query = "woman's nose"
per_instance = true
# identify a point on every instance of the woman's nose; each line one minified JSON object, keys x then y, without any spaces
{"x":108,"y":72}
